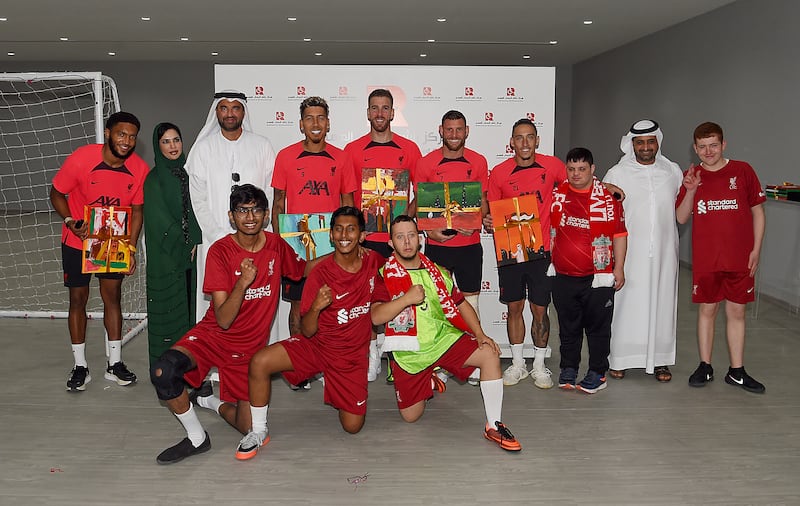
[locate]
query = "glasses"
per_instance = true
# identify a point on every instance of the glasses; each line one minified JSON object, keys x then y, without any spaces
{"x":235,"y":178}
{"x":243,"y":211}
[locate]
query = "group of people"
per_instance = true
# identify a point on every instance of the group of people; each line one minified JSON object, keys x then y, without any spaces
{"x":211,"y":260}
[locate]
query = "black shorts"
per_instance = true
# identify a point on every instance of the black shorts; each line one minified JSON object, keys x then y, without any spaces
{"x":292,"y":290}
{"x":465,"y":262}
{"x":381,"y":247}
{"x":531,"y":277}
{"x":71,"y":260}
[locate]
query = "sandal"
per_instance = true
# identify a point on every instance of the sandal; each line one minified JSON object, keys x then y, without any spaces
{"x":616,"y":374}
{"x":662,"y":374}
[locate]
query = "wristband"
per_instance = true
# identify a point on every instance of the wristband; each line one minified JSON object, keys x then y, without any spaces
{"x":132,"y":248}
{"x":68,"y":220}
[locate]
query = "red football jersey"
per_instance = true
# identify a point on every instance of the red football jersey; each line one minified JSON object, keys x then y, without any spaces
{"x":250,"y":330}
{"x":508,"y":180}
{"x":472,"y":166}
{"x":313,"y":182}
{"x":87,"y":180}
{"x":722,"y":227}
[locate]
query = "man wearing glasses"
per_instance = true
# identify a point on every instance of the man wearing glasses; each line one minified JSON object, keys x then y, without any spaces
{"x":226,"y":154}
{"x":243,"y":276}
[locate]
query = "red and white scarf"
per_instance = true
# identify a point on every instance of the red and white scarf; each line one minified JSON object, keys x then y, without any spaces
{"x":401,"y":332}
{"x":602,"y":225}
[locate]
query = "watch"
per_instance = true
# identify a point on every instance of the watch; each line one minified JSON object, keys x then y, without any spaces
{"x":68,"y":220}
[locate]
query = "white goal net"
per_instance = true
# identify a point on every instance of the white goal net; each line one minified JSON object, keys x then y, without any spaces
{"x":44,"y":118}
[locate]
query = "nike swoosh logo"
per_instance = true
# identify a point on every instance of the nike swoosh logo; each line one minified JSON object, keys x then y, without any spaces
{"x":360,"y":403}
{"x":750,"y":290}
{"x":738,"y":382}
{"x":238,"y":273}
{"x":341,"y":296}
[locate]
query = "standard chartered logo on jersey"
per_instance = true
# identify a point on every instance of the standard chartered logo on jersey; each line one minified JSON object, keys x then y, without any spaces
{"x":343,"y":315}
{"x":706,"y":206}
{"x":257,"y":293}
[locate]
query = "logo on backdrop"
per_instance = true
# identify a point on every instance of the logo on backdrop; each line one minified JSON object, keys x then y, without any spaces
{"x":531,"y":116}
{"x":470,"y":93}
{"x":512,"y":94}
{"x":301,"y":91}
{"x":343,"y":95}
{"x":488,"y":116}
{"x":342,"y":91}
{"x":280,"y":120}
{"x":427,"y":95}
{"x":488,"y":120}
{"x":259,"y":93}
{"x":280,"y":116}
{"x":427,"y":91}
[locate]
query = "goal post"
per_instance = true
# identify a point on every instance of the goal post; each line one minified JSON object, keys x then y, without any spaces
{"x":44,"y":117}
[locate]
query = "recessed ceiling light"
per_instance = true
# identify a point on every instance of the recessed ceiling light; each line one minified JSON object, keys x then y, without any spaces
{"x":291,"y":18}
{"x":112,"y":53}
{"x":145,"y":18}
{"x":588,"y":22}
{"x":307,"y":39}
{"x":214,"y":53}
{"x":317,"y":54}
{"x":526,"y":56}
{"x":431,"y":40}
{"x":423,"y":55}
{"x":553,"y":42}
{"x":184,"y":39}
{"x":441,"y":20}
{"x":11,"y":53}
{"x":3,"y":19}
{"x":63,"y":39}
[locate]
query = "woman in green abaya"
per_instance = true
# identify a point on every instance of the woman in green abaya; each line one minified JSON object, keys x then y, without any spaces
{"x":172,"y":233}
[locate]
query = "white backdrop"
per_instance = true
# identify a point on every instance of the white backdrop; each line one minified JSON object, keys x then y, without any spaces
{"x":491,"y":98}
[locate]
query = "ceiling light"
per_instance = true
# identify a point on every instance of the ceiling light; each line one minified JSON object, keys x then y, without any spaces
{"x":11,"y":53}
{"x":63,"y":39}
{"x":292,"y":18}
{"x":3,"y":19}
{"x":307,"y":39}
{"x":588,"y":22}
{"x":145,"y":18}
{"x":431,"y":40}
{"x":317,"y":54}
{"x":441,"y":20}
{"x":112,"y":53}
{"x":184,"y":39}
{"x":423,"y":55}
{"x":553,"y":42}
{"x":214,"y":53}
{"x":526,"y":56}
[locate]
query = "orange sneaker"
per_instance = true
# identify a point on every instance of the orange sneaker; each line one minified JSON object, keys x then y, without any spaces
{"x":249,"y":445}
{"x":437,"y":385}
{"x":503,"y":437}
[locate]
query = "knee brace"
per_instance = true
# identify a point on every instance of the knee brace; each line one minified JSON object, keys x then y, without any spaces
{"x":172,"y":365}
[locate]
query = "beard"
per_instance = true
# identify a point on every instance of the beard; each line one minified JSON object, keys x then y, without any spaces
{"x":117,"y":153}
{"x":234,"y":128}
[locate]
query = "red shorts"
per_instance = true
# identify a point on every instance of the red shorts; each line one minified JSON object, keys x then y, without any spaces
{"x":232,"y":366}
{"x":413,"y":388}
{"x":345,"y":375}
{"x":713,"y":287}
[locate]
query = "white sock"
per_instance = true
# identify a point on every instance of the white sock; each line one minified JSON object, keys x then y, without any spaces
{"x":190,"y":422}
{"x":115,"y":354}
{"x":79,"y":354}
{"x":492,"y":391}
{"x":258,"y":415}
{"x":516,"y":355}
{"x":373,"y":348}
{"x":538,"y":357}
{"x":473,"y":301}
{"x":211,"y":402}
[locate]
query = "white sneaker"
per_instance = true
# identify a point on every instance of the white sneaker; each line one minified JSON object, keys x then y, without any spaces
{"x":541,"y":378}
{"x":514,"y":374}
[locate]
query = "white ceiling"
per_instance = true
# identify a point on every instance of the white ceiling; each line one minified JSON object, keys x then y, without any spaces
{"x":489,"y":32}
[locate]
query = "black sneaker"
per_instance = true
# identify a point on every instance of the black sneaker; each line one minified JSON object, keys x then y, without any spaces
{"x":745,"y":381}
{"x":702,"y":375}
{"x":567,"y":378}
{"x":78,"y":379}
{"x":182,"y":450}
{"x":119,"y":372}
{"x":206,"y":389}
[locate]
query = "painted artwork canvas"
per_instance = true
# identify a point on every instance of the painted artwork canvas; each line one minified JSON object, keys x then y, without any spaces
{"x":307,"y":234}
{"x":384,"y":196}
{"x":517,"y":229}
{"x":451,"y":206}
{"x":107,"y":248}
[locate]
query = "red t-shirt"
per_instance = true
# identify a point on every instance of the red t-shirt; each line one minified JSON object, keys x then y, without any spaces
{"x":472,"y":166}
{"x":722,"y":228}
{"x":572,"y":252}
{"x":250,"y":330}
{"x":313,"y":182}
{"x":399,"y":153}
{"x":509,"y":180}
{"x":87,"y":180}
{"x":344,"y":327}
